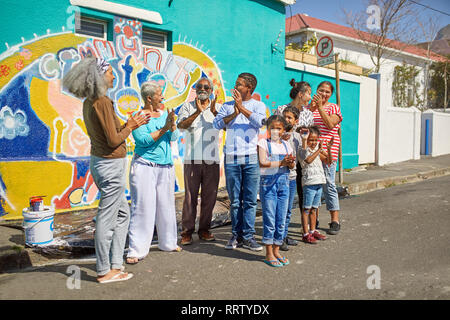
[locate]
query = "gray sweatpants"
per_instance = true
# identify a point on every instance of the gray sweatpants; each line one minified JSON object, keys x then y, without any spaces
{"x":113,"y":215}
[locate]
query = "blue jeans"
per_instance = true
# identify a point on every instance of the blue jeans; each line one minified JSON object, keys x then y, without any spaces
{"x":292,"y":189}
{"x":242,"y":181}
{"x":113,"y":215}
{"x":274,"y":193}
{"x":312,"y":196}
{"x":329,"y":189}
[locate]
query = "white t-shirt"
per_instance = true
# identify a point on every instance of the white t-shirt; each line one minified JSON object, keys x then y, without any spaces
{"x":201,"y":138}
{"x":312,"y":174}
{"x":278,"y":148}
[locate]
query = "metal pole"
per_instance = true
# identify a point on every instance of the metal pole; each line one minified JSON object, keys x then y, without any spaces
{"x":427,"y":137}
{"x":338,"y":101}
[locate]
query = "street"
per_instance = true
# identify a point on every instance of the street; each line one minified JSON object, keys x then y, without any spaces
{"x":394,"y":244}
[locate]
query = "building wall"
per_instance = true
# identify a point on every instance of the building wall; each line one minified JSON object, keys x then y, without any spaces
{"x":439,"y":132}
{"x":44,"y":147}
{"x":367,"y":120}
{"x":399,"y":130}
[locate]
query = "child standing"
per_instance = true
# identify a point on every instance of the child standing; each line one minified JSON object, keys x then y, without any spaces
{"x":275,"y":159}
{"x":291,"y":115}
{"x":313,"y":178}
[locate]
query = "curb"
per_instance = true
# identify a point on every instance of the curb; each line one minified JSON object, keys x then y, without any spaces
{"x":379,"y":184}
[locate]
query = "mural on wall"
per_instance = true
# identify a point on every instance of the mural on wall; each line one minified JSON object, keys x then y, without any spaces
{"x":44,"y":147}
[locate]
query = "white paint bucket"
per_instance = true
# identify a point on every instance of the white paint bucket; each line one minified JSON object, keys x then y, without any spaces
{"x":38,"y":225}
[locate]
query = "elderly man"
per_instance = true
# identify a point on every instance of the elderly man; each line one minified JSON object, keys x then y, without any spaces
{"x":201,"y":161}
{"x":242,"y":119}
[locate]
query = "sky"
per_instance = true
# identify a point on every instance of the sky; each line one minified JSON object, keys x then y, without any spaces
{"x":331,"y":10}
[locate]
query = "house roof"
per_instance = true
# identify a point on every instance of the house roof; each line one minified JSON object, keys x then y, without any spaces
{"x":300,"y":22}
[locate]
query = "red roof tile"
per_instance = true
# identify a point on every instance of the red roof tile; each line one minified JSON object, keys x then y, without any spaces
{"x":301,"y":21}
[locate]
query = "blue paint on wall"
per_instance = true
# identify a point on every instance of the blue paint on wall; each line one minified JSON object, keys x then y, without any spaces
{"x":82,"y":168}
{"x":35,"y":144}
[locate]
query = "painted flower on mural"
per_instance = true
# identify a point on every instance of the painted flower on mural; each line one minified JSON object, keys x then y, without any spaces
{"x":25,"y":53}
{"x":13,"y":124}
{"x":4,"y":70}
{"x":19,"y":65}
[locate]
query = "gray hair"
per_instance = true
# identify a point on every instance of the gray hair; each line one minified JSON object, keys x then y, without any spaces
{"x":85,"y":81}
{"x":207,"y":79}
{"x":148,"y":89}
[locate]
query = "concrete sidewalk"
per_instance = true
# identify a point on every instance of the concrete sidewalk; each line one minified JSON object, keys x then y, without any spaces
{"x":15,"y":255}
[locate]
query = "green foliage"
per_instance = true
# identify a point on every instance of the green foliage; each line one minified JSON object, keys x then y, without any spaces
{"x":436,"y":93}
{"x":405,"y":87}
{"x":307,"y":46}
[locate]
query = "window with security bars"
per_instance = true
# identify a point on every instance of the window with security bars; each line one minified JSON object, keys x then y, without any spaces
{"x":152,"y":38}
{"x":91,"y":27}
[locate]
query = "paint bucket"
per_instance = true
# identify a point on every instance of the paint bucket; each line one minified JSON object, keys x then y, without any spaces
{"x":38,"y":226}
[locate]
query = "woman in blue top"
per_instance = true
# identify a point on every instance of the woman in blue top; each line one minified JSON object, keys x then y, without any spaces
{"x":152,"y":179}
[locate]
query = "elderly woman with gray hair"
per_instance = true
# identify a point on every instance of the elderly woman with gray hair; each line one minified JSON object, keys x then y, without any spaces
{"x":152,"y":179}
{"x":90,"y":79}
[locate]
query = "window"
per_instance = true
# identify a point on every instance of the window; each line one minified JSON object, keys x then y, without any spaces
{"x":91,"y":27}
{"x":151,"y":38}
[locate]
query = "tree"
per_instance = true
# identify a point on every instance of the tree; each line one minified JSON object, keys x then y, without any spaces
{"x":440,"y":83}
{"x":384,"y":26}
{"x":429,"y":29}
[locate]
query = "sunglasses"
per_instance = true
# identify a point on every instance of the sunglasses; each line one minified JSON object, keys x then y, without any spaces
{"x":202,"y":86}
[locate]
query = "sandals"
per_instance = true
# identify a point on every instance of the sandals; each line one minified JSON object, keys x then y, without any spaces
{"x":137,"y":260}
{"x":273,"y":263}
{"x":284,"y":261}
{"x":279,"y":262}
{"x":118,"y":277}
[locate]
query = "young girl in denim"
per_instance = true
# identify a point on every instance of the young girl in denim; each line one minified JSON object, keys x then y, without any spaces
{"x":275,"y":160}
{"x":313,"y":179}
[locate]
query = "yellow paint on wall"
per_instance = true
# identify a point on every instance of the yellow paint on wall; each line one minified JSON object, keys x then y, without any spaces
{"x":178,"y":164}
{"x":24,"y":179}
{"x":42,"y":107}
{"x":204,"y":62}
{"x":37,"y":49}
{"x":177,"y":100}
{"x":170,"y":90}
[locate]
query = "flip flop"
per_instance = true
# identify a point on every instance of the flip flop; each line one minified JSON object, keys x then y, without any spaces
{"x":273,"y":263}
{"x":284,"y":261}
{"x":138,"y":259}
{"x":117,"y":277}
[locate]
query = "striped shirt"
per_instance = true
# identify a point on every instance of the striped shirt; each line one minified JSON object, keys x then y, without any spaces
{"x":325,"y":133}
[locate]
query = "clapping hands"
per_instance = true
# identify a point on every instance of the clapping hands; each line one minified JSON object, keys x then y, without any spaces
{"x":137,"y":120}
{"x":288,"y":161}
{"x":170,"y":121}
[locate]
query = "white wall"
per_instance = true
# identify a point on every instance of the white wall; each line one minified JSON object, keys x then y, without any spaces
{"x":399,"y":129}
{"x":367,"y":120}
{"x":439,"y":132}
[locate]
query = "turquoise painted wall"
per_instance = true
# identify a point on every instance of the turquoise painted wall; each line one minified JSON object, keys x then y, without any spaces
{"x":349,"y":96}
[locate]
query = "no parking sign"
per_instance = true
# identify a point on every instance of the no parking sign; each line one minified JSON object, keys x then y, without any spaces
{"x":324,"y":51}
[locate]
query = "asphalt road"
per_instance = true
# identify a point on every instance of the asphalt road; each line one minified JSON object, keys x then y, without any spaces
{"x":394,"y":241}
